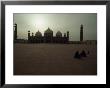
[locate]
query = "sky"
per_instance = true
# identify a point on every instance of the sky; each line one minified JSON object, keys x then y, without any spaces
{"x":57,"y":22}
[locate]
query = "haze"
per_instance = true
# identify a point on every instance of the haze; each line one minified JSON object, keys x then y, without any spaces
{"x":58,"y":22}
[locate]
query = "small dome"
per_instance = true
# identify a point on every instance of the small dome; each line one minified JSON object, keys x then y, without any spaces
{"x":58,"y":34}
{"x":48,"y":31}
{"x":38,"y":34}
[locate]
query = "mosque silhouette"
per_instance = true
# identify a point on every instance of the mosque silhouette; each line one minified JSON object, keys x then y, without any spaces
{"x":48,"y":36}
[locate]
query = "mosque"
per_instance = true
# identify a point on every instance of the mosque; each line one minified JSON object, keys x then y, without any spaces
{"x":48,"y":36}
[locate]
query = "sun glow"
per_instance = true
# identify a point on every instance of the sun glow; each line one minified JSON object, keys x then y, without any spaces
{"x":40,"y":22}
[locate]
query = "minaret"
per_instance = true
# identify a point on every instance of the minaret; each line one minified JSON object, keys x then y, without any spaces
{"x":15,"y":32}
{"x":32,"y":34}
{"x":32,"y":37}
{"x":68,"y":35}
{"x":81,"y":32}
{"x":64,"y":34}
{"x":28,"y":35}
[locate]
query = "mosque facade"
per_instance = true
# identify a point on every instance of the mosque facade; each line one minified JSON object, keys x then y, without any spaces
{"x":48,"y":37}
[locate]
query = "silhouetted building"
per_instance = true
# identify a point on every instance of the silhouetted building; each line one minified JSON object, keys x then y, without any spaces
{"x":81,"y":32}
{"x":48,"y":37}
{"x":15,"y":31}
{"x":90,"y":42}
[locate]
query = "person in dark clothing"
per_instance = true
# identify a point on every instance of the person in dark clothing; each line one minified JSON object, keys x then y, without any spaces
{"x":77,"y":55}
{"x":88,"y":52}
{"x":83,"y":54}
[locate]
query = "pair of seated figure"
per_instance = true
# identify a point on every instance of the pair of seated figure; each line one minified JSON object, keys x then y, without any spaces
{"x":82,"y":54}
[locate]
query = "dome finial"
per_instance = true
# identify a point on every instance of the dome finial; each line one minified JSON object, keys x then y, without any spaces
{"x":38,"y":34}
{"x":48,"y":30}
{"x":58,"y":34}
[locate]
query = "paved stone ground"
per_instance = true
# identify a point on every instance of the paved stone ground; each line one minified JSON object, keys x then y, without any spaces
{"x":54,"y":59}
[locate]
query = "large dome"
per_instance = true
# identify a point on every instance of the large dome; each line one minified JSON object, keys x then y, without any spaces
{"x":48,"y":31}
{"x":38,"y":34}
{"x":58,"y":34}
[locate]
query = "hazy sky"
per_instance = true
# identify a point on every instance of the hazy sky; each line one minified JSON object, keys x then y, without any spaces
{"x":58,"y":22}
